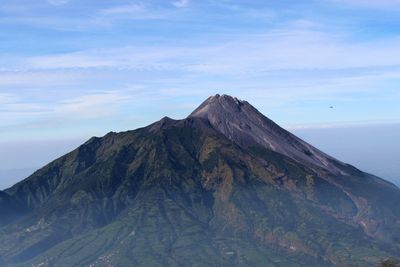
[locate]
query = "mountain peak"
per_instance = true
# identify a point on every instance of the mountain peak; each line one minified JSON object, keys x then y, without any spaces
{"x":245,"y":125}
{"x":218,"y":104}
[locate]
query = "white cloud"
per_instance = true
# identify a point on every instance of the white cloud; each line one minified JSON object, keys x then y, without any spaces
{"x":141,"y":58}
{"x":58,"y":2}
{"x":35,"y":78}
{"x":297,"y":50}
{"x":181,"y":3}
{"x":265,"y":68}
{"x":92,"y":105}
{"x":138,"y":11}
{"x":23,"y":113}
{"x":285,"y":49}
{"x":73,"y":60}
{"x":13,"y":106}
{"x":6,"y":98}
{"x":369,"y":3}
{"x":125,"y":9}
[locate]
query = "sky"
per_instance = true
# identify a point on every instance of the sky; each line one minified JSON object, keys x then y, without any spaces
{"x":73,"y":69}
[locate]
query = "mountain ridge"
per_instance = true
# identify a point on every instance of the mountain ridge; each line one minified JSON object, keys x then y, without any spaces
{"x":195,"y":191}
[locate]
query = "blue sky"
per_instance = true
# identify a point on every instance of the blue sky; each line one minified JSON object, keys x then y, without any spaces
{"x":72,"y":69}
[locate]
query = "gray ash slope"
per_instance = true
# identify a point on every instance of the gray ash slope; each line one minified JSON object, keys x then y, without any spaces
{"x":225,"y":186}
{"x":242,"y":123}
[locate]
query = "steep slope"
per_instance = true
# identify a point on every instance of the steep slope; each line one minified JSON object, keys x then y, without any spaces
{"x":184,"y":192}
{"x":240,"y":122}
{"x":9,"y":208}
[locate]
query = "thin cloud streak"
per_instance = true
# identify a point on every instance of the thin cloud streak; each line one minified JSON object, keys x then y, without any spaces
{"x":58,"y":2}
{"x":181,"y":3}
{"x":385,"y":4}
{"x":130,"y":9}
{"x":278,"y":50}
{"x":92,"y":106}
{"x":35,"y":78}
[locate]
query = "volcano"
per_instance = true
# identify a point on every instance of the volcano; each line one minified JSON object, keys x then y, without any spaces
{"x":225,"y":186}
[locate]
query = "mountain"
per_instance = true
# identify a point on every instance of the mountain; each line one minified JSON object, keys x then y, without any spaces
{"x":225,"y":186}
{"x":10,"y":177}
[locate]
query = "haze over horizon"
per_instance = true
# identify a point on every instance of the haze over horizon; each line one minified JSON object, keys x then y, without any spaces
{"x":73,"y":69}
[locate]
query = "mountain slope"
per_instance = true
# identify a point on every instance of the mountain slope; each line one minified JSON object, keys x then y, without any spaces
{"x":245,"y":125}
{"x":188,"y":192}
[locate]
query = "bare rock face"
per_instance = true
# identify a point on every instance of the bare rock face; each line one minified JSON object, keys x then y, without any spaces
{"x":245,"y":125}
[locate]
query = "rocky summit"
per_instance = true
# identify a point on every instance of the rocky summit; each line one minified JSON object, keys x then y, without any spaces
{"x":225,"y":186}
